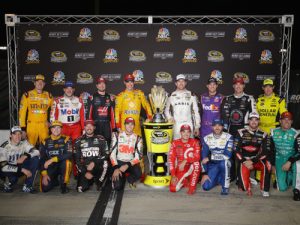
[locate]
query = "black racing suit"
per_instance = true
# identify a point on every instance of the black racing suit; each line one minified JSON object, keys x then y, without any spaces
{"x":91,"y":149}
{"x":234,"y":112}
{"x":59,"y":149}
{"x":101,"y":110}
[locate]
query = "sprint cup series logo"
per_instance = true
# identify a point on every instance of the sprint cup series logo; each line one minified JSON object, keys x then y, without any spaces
{"x":189,"y":35}
{"x":85,"y":35}
{"x":159,"y":137}
{"x":111,"y":56}
{"x":215,"y":56}
{"x":266,"y":36}
{"x":58,"y":78}
{"x":138,"y":77}
{"x":32,"y":35}
{"x":241,"y":75}
{"x":84,"y":78}
{"x":240,"y":35}
{"x":33,"y":57}
{"x":189,"y":56}
{"x":58,"y":57}
{"x":137,"y":56}
{"x":217,"y":75}
{"x":163,"y":35}
{"x":163,"y":77}
{"x":111,"y":35}
{"x":266,"y":57}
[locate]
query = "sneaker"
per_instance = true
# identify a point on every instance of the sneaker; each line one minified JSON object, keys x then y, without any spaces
{"x":64,"y":189}
{"x":132,"y":186}
{"x":253,"y":181}
{"x":28,"y":189}
{"x":7,"y":187}
{"x":79,"y":189}
{"x":225,"y":191}
{"x":265,"y":194}
{"x":191,"y":192}
{"x":296,"y":195}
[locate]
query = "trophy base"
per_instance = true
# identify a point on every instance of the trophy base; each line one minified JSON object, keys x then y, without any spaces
{"x":157,"y":182}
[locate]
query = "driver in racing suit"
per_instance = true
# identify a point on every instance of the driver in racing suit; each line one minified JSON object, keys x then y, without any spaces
{"x":182,"y":108}
{"x":69,"y":110}
{"x":34,"y":106}
{"x":216,"y":152}
{"x":129,"y":103}
{"x":184,"y":162}
{"x":252,"y":148}
{"x":91,"y":158}
{"x":285,"y":157}
{"x":210,"y":106}
{"x":101,"y":110}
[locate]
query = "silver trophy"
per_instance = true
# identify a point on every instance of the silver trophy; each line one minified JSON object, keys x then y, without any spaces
{"x":158,"y":99}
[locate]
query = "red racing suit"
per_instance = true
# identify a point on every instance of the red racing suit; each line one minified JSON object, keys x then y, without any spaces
{"x":69,"y":111}
{"x":189,"y":151}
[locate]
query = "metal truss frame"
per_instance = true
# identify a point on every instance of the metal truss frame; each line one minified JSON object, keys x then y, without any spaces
{"x":11,"y":20}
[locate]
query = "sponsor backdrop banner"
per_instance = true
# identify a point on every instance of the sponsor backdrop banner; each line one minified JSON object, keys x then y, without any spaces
{"x":155,"y":54}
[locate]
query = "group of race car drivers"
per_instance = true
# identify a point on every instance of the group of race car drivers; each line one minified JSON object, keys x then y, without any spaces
{"x":215,"y":138}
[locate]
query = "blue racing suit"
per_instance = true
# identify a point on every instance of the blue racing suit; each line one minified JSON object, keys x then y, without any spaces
{"x":219,"y":151}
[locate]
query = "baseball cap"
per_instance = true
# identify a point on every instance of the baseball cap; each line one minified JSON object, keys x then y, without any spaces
{"x":100,"y":79}
{"x":180,"y":76}
{"x":185,"y":127}
{"x":129,"y":77}
{"x":89,"y":122}
{"x":56,"y":123}
{"x":238,"y":80}
{"x":253,"y":115}
{"x":39,"y":77}
{"x":286,"y":115}
{"x":268,"y":82}
{"x":212,"y":80}
{"x":217,"y":121}
{"x":69,"y":84}
{"x":15,"y":129}
{"x":129,"y":120}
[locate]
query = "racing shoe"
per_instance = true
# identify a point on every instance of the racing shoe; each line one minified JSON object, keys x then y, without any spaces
{"x":253,"y":181}
{"x":64,"y":189}
{"x":249,"y":193}
{"x":225,"y":191}
{"x":296,"y":194}
{"x":28,"y":189}
{"x":132,"y":185}
{"x":265,"y":194}
{"x":7,"y":187}
{"x":79,"y":189}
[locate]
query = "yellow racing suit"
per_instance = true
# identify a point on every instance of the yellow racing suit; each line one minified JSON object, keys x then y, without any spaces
{"x":269,"y":109}
{"x":35,"y":106}
{"x":128,"y":104}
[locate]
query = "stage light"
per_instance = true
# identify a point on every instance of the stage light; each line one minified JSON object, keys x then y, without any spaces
{"x":3,"y":48}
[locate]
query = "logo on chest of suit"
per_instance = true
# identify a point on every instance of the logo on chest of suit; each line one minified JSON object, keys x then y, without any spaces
{"x":102,"y":111}
{"x":90,"y":152}
{"x":69,"y":111}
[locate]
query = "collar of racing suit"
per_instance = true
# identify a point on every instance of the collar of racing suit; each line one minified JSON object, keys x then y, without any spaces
{"x":239,"y":96}
{"x":55,"y":137}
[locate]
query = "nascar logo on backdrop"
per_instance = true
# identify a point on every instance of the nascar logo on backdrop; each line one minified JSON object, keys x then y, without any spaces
{"x":138,"y":77}
{"x":241,"y":75}
{"x":32,"y":35}
{"x":189,"y":56}
{"x":111,"y":56}
{"x":163,"y":35}
{"x":58,"y":78}
{"x":137,"y":56}
{"x":266,"y":57}
{"x":33,"y":57}
{"x":240,"y":35}
{"x":58,"y":57}
{"x":189,"y":35}
{"x":84,"y":78}
{"x":111,"y":35}
{"x":215,"y":56}
{"x":85,"y":35}
{"x":163,"y":77}
{"x":266,"y":36}
{"x":217,"y":75}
